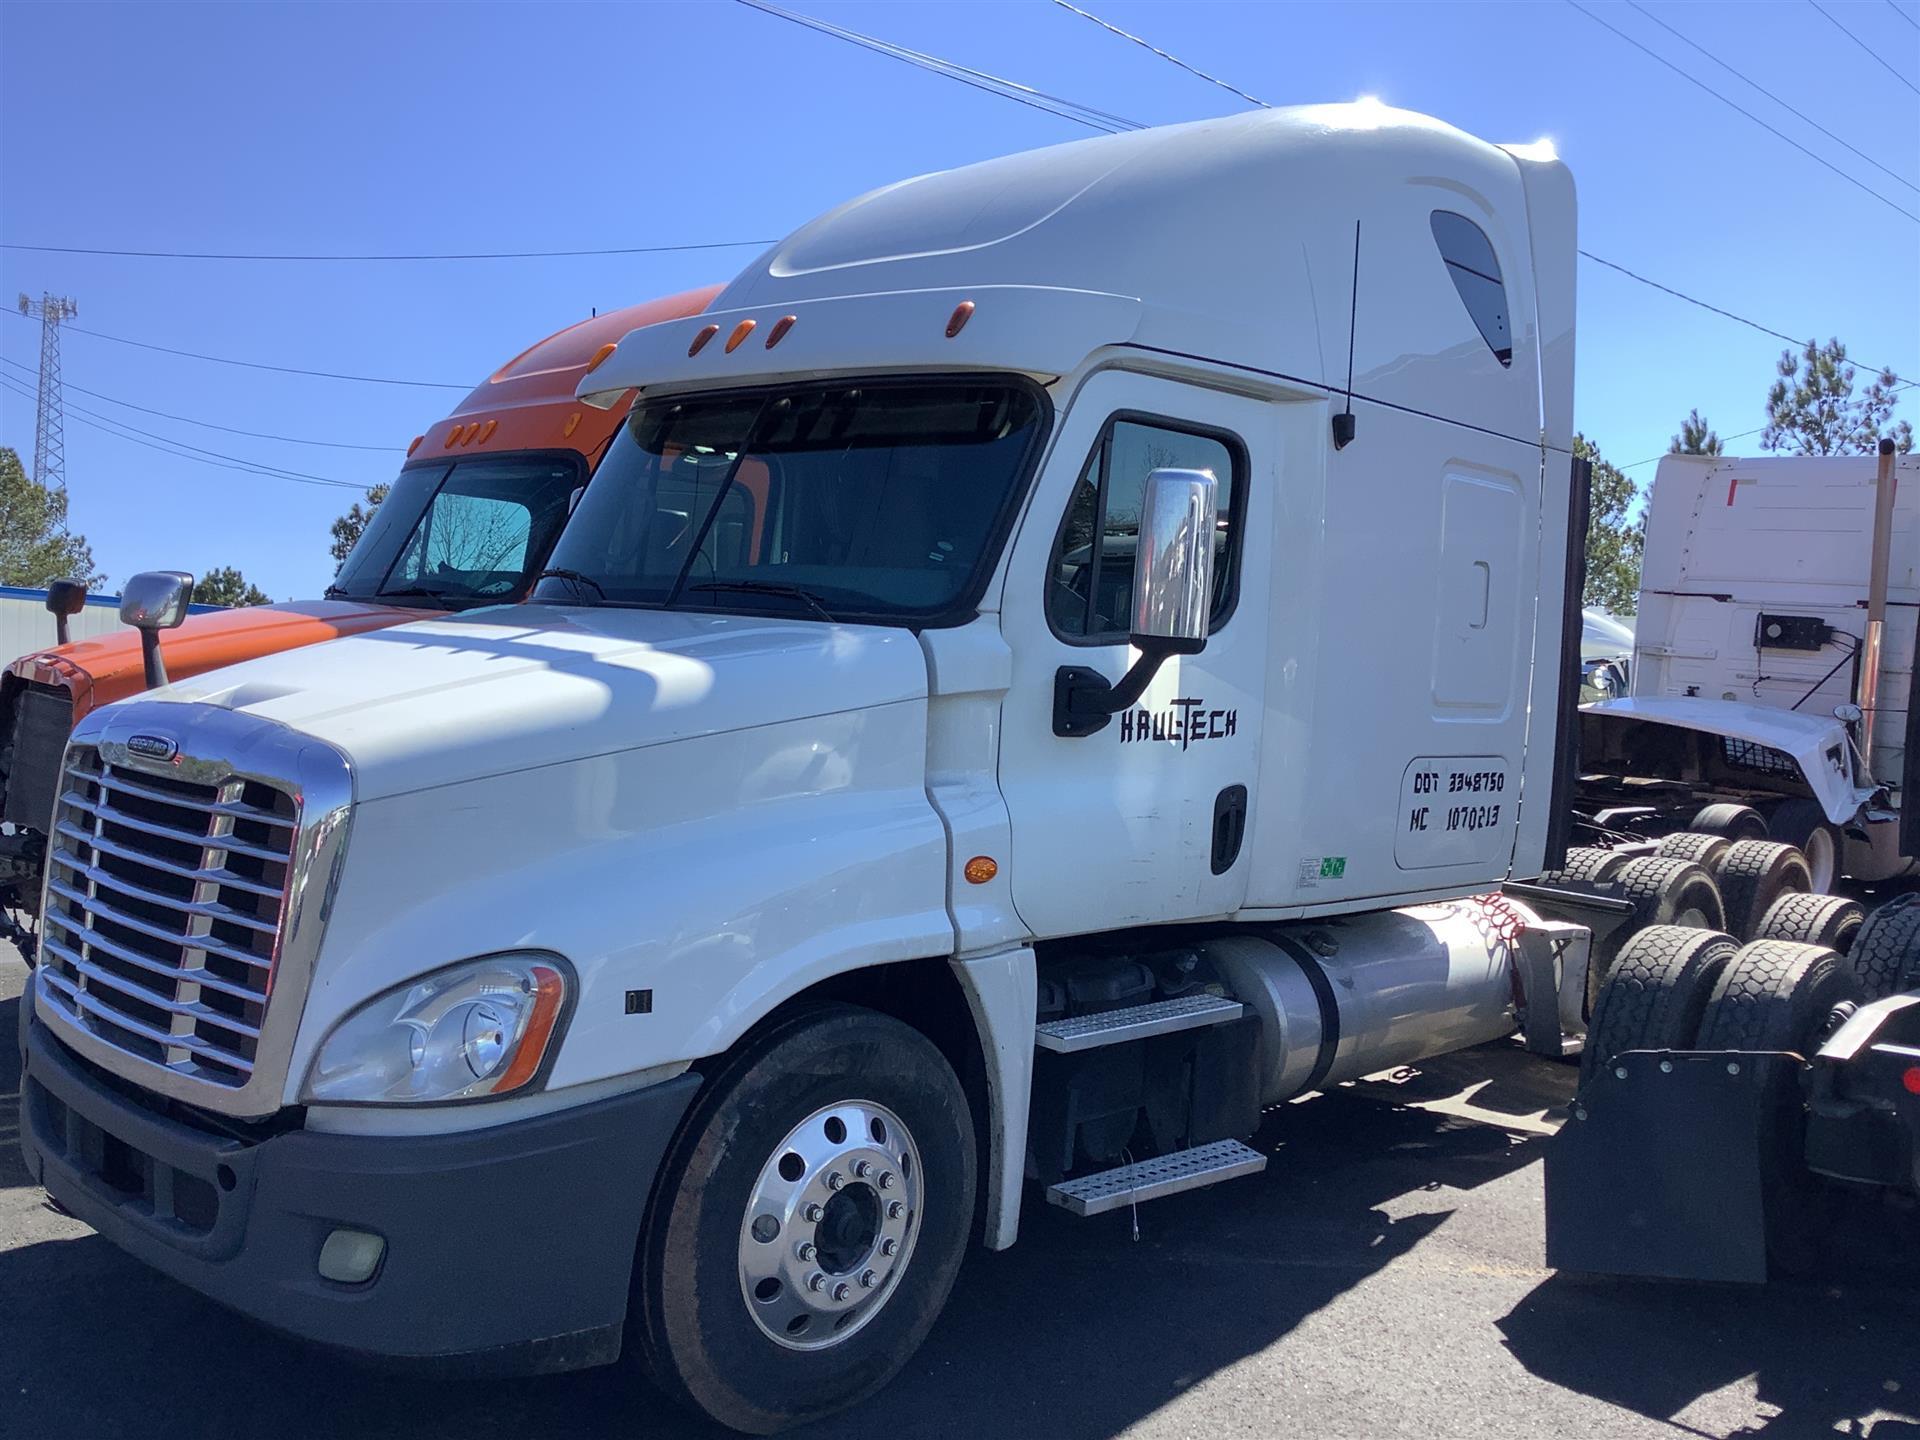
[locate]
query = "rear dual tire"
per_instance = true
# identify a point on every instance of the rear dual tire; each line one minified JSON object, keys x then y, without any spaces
{"x":1663,"y":892}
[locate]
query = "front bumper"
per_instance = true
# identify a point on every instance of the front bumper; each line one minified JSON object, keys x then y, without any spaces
{"x":507,"y":1248}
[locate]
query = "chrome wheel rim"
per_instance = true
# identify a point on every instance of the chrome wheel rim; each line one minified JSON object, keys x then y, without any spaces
{"x":1820,"y":861}
{"x":830,"y":1225}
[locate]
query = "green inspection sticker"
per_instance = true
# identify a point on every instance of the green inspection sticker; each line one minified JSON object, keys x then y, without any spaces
{"x":1333,"y":867}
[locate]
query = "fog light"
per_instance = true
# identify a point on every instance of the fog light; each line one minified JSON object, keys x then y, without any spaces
{"x":350,"y":1257}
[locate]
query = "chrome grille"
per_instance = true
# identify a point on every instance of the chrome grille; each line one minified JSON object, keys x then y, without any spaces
{"x":164,"y":904}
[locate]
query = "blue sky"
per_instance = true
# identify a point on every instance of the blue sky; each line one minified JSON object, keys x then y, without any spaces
{"x":422,"y":127}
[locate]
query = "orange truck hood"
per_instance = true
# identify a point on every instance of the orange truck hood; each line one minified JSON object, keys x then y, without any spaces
{"x":108,"y":667}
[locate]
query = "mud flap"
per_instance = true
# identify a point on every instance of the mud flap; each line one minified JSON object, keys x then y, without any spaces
{"x":1661,"y":1167}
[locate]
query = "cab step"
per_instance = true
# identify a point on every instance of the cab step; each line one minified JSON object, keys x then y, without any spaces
{"x":1136,"y":1022}
{"x":1160,"y":1176}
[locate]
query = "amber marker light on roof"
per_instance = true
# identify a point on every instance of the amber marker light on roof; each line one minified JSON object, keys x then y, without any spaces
{"x":980,"y":869}
{"x":416,"y":444}
{"x":486,"y":431}
{"x":957,"y":321}
{"x":573,"y":424}
{"x":453,"y":437}
{"x":779,"y":330}
{"x":600,"y":356}
{"x":707,"y":332}
{"x":739,"y":335}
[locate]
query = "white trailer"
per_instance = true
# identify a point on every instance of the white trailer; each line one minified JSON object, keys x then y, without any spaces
{"x":972,"y":735}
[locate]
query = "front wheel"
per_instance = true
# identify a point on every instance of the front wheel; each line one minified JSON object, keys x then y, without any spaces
{"x":810,"y":1221}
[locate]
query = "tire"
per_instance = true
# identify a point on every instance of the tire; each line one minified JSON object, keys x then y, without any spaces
{"x":1754,"y":874}
{"x":1776,"y":995}
{"x":1587,"y":867}
{"x":708,"y":1341}
{"x":1831,"y":921}
{"x":1701,"y":848}
{"x":1663,"y":892}
{"x":1736,"y":822}
{"x":1655,"y":993}
{"x":1804,"y":825}
{"x":1886,"y":953}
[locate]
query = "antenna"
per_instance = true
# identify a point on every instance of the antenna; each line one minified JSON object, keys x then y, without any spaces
{"x":1343,"y":423}
{"x":49,"y":415}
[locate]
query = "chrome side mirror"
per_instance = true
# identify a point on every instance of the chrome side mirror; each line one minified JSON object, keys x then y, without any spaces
{"x":156,"y":600}
{"x":1848,"y":713}
{"x":65,"y":598}
{"x":1173,"y":562}
{"x":1172,"y":600}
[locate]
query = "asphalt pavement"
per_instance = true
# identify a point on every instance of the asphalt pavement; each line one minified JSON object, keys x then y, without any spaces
{"x":1383,"y":1277}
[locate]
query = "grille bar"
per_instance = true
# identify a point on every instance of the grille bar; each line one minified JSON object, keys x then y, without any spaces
{"x":226,"y":879}
{"x":97,"y":945}
{"x":97,"y":976}
{"x":202,"y":909}
{"x":102,"y":911}
{"x":88,"y":1002}
{"x":114,"y":780}
{"x":199,"y":840}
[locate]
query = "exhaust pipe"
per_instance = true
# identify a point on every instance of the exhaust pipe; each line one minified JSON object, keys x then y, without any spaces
{"x":1876,"y":603}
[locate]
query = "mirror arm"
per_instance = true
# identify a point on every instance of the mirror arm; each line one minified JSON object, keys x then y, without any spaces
{"x":1085,"y":701}
{"x":59,"y":629}
{"x":155,"y":666}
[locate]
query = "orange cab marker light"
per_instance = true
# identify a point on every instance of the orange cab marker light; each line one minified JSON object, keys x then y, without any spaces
{"x":549,"y":991}
{"x":779,"y":331}
{"x":486,"y":431}
{"x":740,"y":333}
{"x":957,"y":321}
{"x":980,"y":869}
{"x":453,"y":437}
{"x":707,"y":332}
{"x":573,"y":424}
{"x":416,"y":444}
{"x":600,"y":355}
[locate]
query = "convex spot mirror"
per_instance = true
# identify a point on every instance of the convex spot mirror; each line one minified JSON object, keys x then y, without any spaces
{"x":156,"y":599}
{"x":1173,"y":562}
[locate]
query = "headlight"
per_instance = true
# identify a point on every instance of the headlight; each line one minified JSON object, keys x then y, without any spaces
{"x":474,"y":1029}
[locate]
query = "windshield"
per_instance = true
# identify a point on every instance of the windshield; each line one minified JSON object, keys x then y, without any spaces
{"x":468,"y":532}
{"x":877,"y":500}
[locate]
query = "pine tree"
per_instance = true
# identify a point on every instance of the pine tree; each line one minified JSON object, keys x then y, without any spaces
{"x":1696,"y":437}
{"x":348,"y":529}
{"x":1812,"y":410}
{"x":1615,"y":537}
{"x":35,"y":545}
{"x":225,"y":585}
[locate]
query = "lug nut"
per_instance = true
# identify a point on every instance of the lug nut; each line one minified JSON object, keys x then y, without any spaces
{"x":895,"y":1209}
{"x":842,"y":1290}
{"x":888,"y":1246}
{"x":813,"y":1214}
{"x":886,"y":1179}
{"x":862,"y":1169}
{"x":868,"y":1279}
{"x":816,"y":1281}
{"x":835,"y":1180}
{"x":804,"y":1250}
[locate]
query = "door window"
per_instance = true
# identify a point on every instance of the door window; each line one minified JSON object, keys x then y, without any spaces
{"x":1090,"y":578}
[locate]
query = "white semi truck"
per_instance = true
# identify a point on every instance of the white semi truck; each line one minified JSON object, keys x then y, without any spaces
{"x":1037,"y":679}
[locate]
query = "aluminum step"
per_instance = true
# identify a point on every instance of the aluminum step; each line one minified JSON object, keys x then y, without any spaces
{"x":1162,"y":1175}
{"x":1136,"y":1022}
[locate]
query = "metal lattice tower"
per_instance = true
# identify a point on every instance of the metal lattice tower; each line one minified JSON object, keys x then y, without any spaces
{"x":49,"y":416}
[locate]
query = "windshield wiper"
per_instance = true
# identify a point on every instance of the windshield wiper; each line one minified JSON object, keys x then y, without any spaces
{"x":770,"y":587}
{"x":412,"y":592}
{"x":560,"y":573}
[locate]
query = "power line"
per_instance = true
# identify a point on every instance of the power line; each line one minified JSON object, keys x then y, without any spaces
{"x":208,"y":424}
{"x":1773,"y":130}
{"x":179,"y":449}
{"x":1903,"y":15}
{"x":259,"y":365}
{"x":1771,"y":96}
{"x":1652,"y":458}
{"x":1173,"y":59}
{"x":1878,"y":58}
{"x":978,"y":79}
{"x":491,"y":255}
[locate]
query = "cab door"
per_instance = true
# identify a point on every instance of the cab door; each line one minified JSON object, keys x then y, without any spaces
{"x":1144,"y":821}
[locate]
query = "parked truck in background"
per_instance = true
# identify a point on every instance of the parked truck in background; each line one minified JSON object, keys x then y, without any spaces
{"x":469,"y":521}
{"x":956,"y":745}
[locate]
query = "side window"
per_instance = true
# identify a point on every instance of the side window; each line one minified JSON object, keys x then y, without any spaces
{"x":1475,"y":272}
{"x":468,"y":538}
{"x":1090,"y":578}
